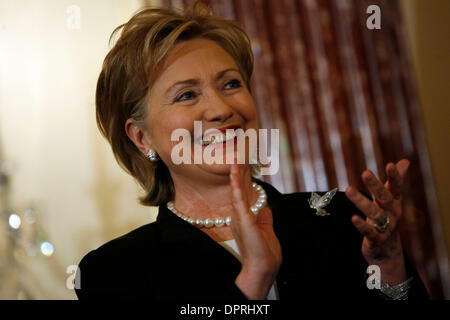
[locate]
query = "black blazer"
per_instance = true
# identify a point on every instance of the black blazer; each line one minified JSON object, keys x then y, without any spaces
{"x":171,"y":259}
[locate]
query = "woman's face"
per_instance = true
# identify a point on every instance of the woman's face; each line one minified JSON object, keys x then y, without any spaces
{"x":198,"y":81}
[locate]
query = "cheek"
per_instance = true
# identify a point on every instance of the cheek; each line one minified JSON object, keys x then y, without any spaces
{"x":246,"y":107}
{"x":166,"y":124}
{"x":181,"y":119}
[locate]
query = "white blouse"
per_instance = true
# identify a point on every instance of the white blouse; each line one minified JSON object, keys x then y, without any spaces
{"x":231,"y":246}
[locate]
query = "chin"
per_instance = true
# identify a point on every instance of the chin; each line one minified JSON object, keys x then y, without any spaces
{"x":221,"y":169}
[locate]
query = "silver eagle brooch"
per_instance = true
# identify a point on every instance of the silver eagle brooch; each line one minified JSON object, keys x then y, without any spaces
{"x":318,"y":202}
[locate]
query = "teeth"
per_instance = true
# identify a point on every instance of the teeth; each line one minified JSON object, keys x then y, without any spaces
{"x":230,"y":135}
{"x":218,"y":139}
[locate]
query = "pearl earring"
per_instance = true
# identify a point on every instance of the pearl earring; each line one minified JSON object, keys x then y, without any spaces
{"x":151,"y":154}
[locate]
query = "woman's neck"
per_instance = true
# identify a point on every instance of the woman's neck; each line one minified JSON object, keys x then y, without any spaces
{"x":200,"y":199}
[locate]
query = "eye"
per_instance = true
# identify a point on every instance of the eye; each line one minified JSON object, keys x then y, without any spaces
{"x":185,"y":96}
{"x":233,"y":84}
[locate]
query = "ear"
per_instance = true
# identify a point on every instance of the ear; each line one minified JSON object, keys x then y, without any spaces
{"x":138,"y":136}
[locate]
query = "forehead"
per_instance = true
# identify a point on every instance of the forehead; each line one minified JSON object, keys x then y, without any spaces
{"x":194,"y":58}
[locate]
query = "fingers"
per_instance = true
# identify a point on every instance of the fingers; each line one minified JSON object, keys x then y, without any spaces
{"x":395,"y":181}
{"x":240,"y":206}
{"x":366,"y":206}
{"x":396,"y":175}
{"x":365,"y":228}
{"x":382,"y":195}
{"x":403,"y":166}
{"x":370,"y":209}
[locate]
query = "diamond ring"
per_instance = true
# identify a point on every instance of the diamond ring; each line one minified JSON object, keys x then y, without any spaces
{"x":382,"y":223}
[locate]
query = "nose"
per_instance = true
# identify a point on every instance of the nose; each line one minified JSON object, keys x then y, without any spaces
{"x":217,"y":108}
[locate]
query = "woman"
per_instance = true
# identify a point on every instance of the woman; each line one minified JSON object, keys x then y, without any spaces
{"x":221,"y":233}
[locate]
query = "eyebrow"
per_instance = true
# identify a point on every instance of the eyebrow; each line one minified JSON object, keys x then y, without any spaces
{"x":195,"y":81}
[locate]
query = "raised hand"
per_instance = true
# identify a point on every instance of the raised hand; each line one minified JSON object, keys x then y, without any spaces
{"x":258,"y":245}
{"x":382,"y":247}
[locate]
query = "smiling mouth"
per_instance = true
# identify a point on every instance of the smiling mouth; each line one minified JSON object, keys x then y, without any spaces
{"x":216,"y":139}
{"x":218,"y":136}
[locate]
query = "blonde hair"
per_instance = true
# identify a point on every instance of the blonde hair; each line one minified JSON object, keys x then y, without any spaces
{"x":130,"y":69}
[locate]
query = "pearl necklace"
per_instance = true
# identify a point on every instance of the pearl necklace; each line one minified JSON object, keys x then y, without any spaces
{"x":220,"y":222}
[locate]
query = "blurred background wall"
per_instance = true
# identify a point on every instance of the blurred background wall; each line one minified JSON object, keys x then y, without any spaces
{"x":59,"y":167}
{"x":56,"y":159}
{"x":427,"y":24}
